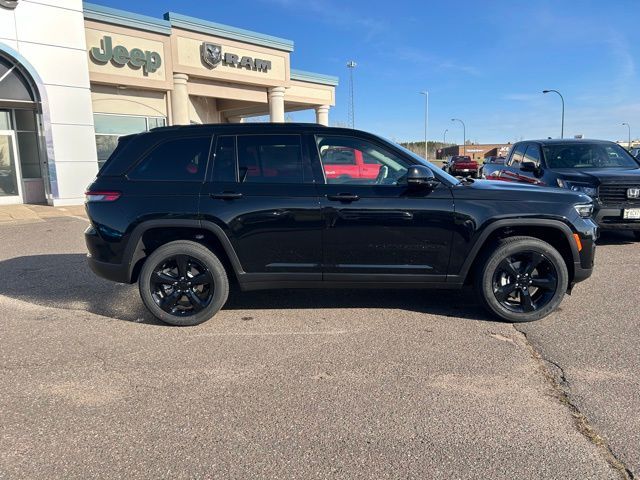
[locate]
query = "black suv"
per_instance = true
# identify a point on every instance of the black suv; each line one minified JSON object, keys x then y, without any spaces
{"x":603,"y":170}
{"x":185,"y":210}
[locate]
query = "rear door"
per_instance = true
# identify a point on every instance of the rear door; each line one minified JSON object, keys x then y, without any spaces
{"x":261,"y":192}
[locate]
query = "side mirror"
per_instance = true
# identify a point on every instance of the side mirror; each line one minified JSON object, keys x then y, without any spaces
{"x":419,"y":176}
{"x":531,"y":167}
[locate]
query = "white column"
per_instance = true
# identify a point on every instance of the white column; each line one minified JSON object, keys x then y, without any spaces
{"x":180,"y":100}
{"x":276,"y":104}
{"x":322,"y":115}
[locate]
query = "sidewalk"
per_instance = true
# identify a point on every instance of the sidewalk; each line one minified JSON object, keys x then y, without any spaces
{"x":22,"y":213}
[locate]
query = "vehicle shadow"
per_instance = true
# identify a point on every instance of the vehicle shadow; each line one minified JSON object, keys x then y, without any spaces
{"x":65,"y":281}
{"x":616,"y":238}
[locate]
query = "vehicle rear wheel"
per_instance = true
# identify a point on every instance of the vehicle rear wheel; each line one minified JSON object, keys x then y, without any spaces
{"x":183,"y":283}
{"x":522,"y":280}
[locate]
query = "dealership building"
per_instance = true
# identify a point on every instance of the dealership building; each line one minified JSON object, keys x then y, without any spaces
{"x":75,"y":76}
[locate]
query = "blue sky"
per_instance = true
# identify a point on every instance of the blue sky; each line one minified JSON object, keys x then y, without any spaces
{"x":485,"y":62}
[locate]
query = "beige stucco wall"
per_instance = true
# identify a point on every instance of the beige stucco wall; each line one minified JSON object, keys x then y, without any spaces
{"x":110,"y":99}
{"x":311,"y":93}
{"x":203,"y":110}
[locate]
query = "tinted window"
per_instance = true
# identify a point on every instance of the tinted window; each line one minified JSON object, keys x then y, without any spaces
{"x":224,"y":160}
{"x":181,"y":159}
{"x":533,"y":154}
{"x":270,"y":159}
{"x":588,"y":155}
{"x":518,"y":154}
{"x":382,"y":168}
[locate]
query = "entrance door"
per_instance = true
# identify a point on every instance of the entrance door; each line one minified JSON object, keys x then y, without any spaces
{"x":10,"y":176}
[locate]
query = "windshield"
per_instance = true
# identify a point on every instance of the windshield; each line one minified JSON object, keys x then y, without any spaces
{"x":588,"y":155}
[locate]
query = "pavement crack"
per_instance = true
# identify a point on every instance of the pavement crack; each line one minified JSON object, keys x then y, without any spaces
{"x":560,"y":387}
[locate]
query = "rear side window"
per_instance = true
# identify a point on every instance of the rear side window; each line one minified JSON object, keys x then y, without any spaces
{"x":270,"y":159}
{"x":224,"y":159}
{"x":180,"y":159}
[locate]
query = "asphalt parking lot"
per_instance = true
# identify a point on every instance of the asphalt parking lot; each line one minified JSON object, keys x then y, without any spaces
{"x":310,"y":384}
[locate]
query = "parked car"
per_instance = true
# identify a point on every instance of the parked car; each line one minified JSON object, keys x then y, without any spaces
{"x":603,"y":170}
{"x":186,"y":210}
{"x":635,"y":152}
{"x":349,"y":164}
{"x":461,"y":165}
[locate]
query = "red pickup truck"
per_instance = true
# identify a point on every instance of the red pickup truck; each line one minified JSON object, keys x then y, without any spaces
{"x":462,"y":165}
{"x":343,"y":162}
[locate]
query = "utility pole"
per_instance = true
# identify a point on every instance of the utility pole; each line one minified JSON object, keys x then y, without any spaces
{"x":464,"y":135}
{"x":629,"y":128}
{"x":352,"y":115}
{"x":562,"y":99}
{"x":426,"y":123}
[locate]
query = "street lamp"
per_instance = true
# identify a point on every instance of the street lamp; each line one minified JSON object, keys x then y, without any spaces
{"x":464,"y":135}
{"x":561,"y":98}
{"x":426,"y":123}
{"x":629,"y":128}
{"x":444,"y":137}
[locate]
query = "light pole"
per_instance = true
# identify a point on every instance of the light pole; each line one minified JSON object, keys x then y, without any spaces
{"x":629,"y":128}
{"x":352,"y":114}
{"x":426,"y":123}
{"x":561,"y":98}
{"x":464,"y":135}
{"x":444,"y":137}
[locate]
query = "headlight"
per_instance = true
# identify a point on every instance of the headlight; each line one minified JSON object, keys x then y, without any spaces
{"x":585,"y":210}
{"x":579,"y":187}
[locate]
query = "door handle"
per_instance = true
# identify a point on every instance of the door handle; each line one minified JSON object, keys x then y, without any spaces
{"x":343,"y":197}
{"x":226,"y":196}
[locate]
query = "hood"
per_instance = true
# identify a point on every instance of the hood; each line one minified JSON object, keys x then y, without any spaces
{"x":596,"y":176}
{"x":520,"y":192}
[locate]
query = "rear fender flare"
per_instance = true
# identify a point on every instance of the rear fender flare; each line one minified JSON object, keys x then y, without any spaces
{"x":135,"y":248}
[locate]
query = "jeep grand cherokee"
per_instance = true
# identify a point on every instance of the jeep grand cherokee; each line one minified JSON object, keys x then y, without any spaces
{"x":185,"y":210}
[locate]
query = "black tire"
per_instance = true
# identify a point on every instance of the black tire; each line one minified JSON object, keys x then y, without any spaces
{"x":510,"y":288}
{"x":168,"y":289}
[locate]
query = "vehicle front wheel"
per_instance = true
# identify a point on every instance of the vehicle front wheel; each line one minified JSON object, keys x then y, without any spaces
{"x":522,"y":280}
{"x":183,"y":283}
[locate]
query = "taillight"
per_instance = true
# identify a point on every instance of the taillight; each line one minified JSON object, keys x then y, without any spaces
{"x":101,"y":196}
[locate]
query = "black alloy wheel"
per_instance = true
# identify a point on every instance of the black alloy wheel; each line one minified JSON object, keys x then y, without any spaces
{"x":521,"y":279}
{"x":525,"y":282}
{"x":183,"y":283}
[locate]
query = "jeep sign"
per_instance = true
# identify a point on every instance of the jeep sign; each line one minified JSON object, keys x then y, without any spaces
{"x":150,"y":62}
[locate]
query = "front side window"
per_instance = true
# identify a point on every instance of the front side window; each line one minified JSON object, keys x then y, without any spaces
{"x":181,"y":159}
{"x":270,"y":159}
{"x":109,"y":128}
{"x":381,"y":167}
{"x":518,"y":155}
{"x":532,"y":154}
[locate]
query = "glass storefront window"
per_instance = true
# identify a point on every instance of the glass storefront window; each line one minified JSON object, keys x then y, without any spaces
{"x":5,"y":120}
{"x":8,"y":177}
{"x":111,"y":127}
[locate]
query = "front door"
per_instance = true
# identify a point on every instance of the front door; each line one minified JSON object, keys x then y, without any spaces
{"x":10,"y":175}
{"x":261,"y":192}
{"x":379,"y":229}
